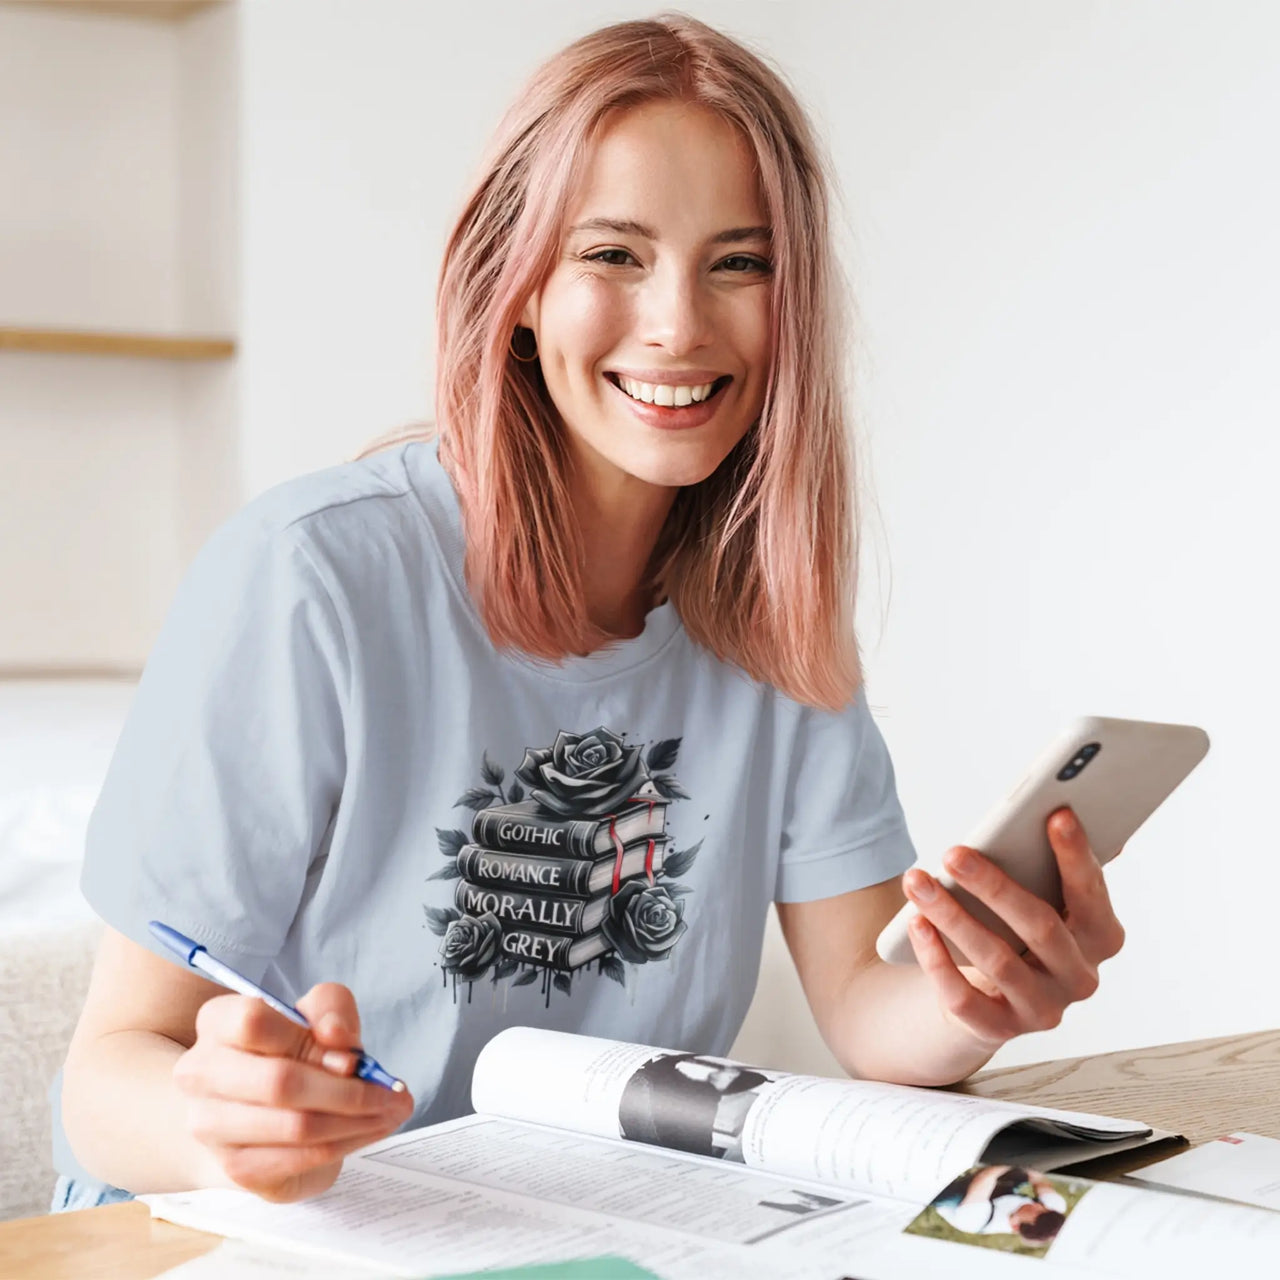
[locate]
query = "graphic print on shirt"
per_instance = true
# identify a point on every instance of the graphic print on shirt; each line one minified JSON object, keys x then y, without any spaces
{"x":566,"y":867}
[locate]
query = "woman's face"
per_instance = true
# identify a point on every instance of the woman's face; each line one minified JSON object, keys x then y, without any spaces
{"x":662,"y":286}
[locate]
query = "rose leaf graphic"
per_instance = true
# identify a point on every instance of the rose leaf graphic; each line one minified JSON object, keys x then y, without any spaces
{"x":451,"y":842}
{"x":476,"y":798}
{"x":680,"y":861}
{"x":440,"y":918}
{"x":528,"y":976}
{"x":450,"y":871}
{"x":668,"y":787}
{"x":613,"y":968}
{"x":662,"y":755}
{"x":492,"y":773}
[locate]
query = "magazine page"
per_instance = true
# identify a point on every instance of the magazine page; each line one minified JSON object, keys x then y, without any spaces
{"x":483,"y":1192}
{"x":862,"y":1136}
{"x":1237,"y":1166}
{"x":1012,"y":1216}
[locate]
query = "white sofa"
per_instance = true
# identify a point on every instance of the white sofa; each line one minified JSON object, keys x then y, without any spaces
{"x":43,"y":977}
{"x":56,"y":738}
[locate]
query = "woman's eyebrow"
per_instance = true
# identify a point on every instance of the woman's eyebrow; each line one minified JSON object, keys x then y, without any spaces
{"x":629,"y":227}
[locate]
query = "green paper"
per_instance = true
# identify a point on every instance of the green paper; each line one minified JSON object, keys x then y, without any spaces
{"x":582,"y":1269}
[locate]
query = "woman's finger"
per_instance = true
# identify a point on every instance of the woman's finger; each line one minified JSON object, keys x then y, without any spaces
{"x":222,"y":1123}
{"x":217,"y":1071}
{"x":286,"y":1173}
{"x":331,"y":1009}
{"x":1087,"y":901}
{"x":251,"y":1025}
{"x":1034,"y":1005}
{"x":1042,"y":930}
{"x":981,"y":1015}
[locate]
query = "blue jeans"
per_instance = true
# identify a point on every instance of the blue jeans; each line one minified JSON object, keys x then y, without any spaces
{"x":81,"y":1193}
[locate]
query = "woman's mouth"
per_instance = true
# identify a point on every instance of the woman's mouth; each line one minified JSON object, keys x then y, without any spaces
{"x":693,"y":414}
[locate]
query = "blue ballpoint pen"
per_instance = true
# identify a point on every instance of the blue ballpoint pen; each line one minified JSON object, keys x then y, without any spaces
{"x":199,"y":958}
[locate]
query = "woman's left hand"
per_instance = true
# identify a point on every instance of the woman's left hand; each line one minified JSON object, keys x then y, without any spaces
{"x":1006,"y":994}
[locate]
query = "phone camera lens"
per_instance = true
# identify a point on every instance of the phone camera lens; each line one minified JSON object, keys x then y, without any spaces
{"x":1078,"y":761}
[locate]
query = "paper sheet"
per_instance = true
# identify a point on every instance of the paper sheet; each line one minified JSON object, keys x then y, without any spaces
{"x":258,"y":1262}
{"x":1238,"y":1166}
{"x":248,"y":1261}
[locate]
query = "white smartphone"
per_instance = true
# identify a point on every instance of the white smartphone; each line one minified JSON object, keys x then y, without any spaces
{"x":1113,"y":773}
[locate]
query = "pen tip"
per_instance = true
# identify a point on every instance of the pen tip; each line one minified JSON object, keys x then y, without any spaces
{"x":398,"y":1087}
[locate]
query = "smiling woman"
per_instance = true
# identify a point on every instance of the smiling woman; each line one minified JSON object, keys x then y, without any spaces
{"x":632,"y":545}
{"x":652,"y":215}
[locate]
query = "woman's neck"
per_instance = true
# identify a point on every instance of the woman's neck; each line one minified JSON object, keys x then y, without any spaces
{"x":620,"y":518}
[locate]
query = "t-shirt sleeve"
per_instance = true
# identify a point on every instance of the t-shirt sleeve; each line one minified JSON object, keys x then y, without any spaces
{"x":843,"y":826}
{"x":221,"y":792}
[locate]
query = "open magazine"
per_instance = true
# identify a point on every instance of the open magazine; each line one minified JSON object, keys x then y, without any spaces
{"x":697,"y":1166}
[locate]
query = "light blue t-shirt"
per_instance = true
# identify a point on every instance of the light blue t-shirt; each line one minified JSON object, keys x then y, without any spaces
{"x":329,"y":773}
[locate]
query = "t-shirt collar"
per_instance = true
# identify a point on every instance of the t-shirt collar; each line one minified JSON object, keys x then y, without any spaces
{"x":439,"y":497}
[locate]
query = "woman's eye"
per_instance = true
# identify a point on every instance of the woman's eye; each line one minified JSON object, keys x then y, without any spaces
{"x":752,"y":264}
{"x":603,"y":254}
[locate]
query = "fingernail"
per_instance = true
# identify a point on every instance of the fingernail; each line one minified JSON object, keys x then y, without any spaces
{"x":332,"y":1027}
{"x":920,"y":886}
{"x":962,"y":862}
{"x":1067,"y":823}
{"x":336,"y":1060}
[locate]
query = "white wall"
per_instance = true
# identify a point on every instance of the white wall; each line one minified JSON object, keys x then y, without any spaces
{"x":1061,"y":230}
{"x":86,"y":239}
{"x":1066,"y":219}
{"x":112,"y":216}
{"x":209,"y":194}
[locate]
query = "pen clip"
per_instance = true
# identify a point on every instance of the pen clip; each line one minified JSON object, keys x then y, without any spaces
{"x":175,"y":941}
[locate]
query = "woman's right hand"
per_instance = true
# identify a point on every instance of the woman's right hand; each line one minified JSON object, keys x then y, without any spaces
{"x":276,"y":1104}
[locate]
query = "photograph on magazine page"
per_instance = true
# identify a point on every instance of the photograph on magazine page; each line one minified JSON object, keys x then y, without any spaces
{"x":1001,"y":1206}
{"x":691,"y":1102}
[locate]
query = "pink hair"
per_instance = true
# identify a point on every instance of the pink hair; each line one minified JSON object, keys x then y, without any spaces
{"x":760,"y":558}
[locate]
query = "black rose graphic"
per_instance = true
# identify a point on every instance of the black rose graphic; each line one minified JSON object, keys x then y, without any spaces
{"x":583,"y":775}
{"x":644,"y":922}
{"x":470,"y":945}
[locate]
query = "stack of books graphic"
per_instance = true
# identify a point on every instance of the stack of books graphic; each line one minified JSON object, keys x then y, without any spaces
{"x":549,"y":880}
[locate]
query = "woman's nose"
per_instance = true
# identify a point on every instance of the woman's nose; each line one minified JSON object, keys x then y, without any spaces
{"x":676,"y":312}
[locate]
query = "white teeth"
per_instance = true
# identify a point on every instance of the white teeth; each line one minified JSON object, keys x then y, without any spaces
{"x":658,"y":393}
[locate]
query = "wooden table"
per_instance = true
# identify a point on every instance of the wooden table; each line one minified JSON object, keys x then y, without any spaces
{"x":1201,"y":1089}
